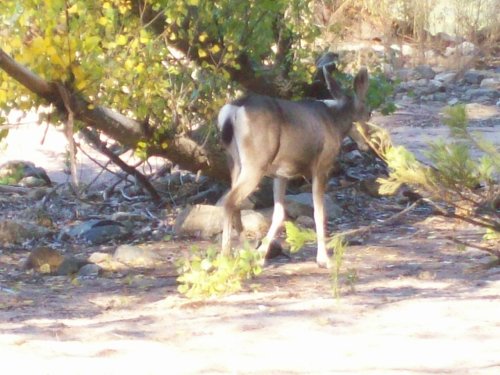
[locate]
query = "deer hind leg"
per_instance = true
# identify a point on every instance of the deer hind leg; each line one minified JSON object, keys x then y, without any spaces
{"x":243,"y":184}
{"x":279,"y":189}
{"x":318,"y":187}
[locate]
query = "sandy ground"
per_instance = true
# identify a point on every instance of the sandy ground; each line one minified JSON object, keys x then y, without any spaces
{"x":416,"y":305}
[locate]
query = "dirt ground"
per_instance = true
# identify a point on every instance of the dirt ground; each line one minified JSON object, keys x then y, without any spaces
{"x":412,"y":302}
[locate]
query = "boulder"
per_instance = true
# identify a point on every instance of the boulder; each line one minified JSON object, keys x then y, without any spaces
{"x":135,"y":256}
{"x":302,"y":205}
{"x":205,"y":221}
{"x":14,"y":232}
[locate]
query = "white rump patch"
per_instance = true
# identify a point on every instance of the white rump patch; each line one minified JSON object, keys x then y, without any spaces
{"x":225,"y":112}
{"x":336,"y":104}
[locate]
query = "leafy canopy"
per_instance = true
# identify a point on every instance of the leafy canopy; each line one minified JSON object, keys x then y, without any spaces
{"x":169,"y":60}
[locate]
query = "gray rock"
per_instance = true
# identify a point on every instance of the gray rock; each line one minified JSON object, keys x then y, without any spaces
{"x":89,"y":270}
{"x":474,"y":76}
{"x":96,"y":231}
{"x":453,"y":101}
{"x":302,"y":205}
{"x":490,"y":83}
{"x":446,"y":77}
{"x":70,"y":266}
{"x":353,"y":156}
{"x":406,"y":74}
{"x":305,"y":221}
{"x":16,"y":170}
{"x":475,"y":94}
{"x":425,"y":72}
{"x":136,"y":256}
{"x":467,"y":48}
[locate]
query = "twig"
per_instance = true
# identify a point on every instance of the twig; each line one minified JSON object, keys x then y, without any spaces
{"x":479,"y":247}
{"x":14,"y":189}
{"x":141,"y":179}
{"x":388,"y":221}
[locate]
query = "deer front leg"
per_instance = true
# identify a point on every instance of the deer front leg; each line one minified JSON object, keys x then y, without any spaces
{"x":318,"y":188}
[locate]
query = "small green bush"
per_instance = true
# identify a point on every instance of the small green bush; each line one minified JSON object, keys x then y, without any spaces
{"x":208,"y":273}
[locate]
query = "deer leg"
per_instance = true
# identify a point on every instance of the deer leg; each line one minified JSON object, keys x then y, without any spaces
{"x":245,"y":183}
{"x":318,"y":189}
{"x":279,"y":189}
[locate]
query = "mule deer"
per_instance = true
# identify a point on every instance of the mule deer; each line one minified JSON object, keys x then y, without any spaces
{"x":286,"y":139}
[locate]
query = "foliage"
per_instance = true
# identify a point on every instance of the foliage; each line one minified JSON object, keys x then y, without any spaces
{"x":208,"y":273}
{"x":380,"y":91}
{"x":12,"y":175}
{"x":297,"y":237}
{"x":458,"y":179}
{"x":169,"y":61}
{"x":339,"y":245}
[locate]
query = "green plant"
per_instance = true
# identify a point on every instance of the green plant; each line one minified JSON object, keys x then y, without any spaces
{"x":339,"y":245}
{"x":207,"y":273}
{"x":12,"y":175}
{"x":459,"y":183}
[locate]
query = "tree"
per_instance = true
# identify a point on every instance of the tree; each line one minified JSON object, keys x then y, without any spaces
{"x":152,"y":74}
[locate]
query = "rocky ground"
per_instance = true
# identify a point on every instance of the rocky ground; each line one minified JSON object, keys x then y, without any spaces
{"x":89,"y":285}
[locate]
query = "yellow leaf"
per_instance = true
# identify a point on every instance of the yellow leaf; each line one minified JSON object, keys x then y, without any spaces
{"x":144,"y":37}
{"x":215,"y":49}
{"x":193,"y":3}
{"x":203,"y":36}
{"x":102,"y":21}
{"x":106,"y":5}
{"x":129,"y":64}
{"x":121,"y":40}
{"x":202,"y":53}
{"x":73,"y":9}
{"x":139,"y":68}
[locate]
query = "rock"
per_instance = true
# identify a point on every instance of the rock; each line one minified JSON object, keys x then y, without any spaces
{"x":467,"y":48}
{"x":44,"y":259}
{"x":136,"y":256}
{"x":205,"y":221}
{"x":406,"y":74}
{"x":98,"y":257}
{"x":490,"y":83}
{"x":16,"y":232}
{"x":96,"y":231}
{"x":89,"y":270}
{"x":353,"y":156}
{"x":481,"y":93}
{"x":305,"y":221}
{"x":446,"y":77}
{"x":70,"y":266}
{"x":474,"y":76}
{"x":256,"y":223}
{"x":425,"y":72}
{"x":302,"y":205}
{"x":15,"y":170}
{"x":453,"y":101}
{"x":200,"y":220}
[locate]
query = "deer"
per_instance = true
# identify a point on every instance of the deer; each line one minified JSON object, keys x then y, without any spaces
{"x":265,"y":136}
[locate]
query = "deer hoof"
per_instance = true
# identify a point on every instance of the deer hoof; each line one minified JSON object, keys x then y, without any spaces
{"x":324,"y":263}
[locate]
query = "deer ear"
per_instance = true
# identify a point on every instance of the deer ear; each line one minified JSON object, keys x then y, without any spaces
{"x":361,"y":83}
{"x":332,"y":85}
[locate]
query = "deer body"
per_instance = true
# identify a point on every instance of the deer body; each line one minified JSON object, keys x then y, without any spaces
{"x":285,"y":139}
